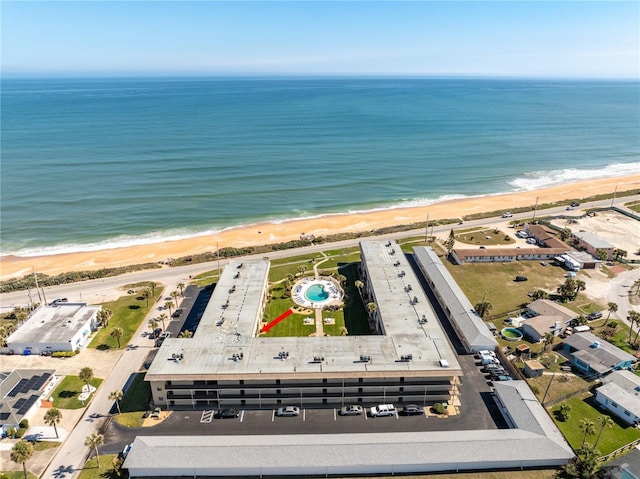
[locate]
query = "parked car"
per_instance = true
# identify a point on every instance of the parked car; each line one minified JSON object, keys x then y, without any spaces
{"x":288,"y":411}
{"x":352,"y":410}
{"x":575,"y":204}
{"x":507,"y":215}
{"x":412,"y":410}
{"x":504,"y":377}
{"x":382,"y":410}
{"x":176,"y":313}
{"x":594,"y":316}
{"x":227,"y":414}
{"x":521,"y":278}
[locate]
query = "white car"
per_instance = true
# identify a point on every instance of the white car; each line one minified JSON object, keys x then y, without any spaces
{"x":288,"y":411}
{"x":507,"y":215}
{"x":382,"y":410}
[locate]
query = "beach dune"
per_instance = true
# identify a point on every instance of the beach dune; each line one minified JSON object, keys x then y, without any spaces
{"x":267,"y":233}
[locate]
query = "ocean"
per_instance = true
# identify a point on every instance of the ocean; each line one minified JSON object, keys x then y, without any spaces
{"x":96,"y":163}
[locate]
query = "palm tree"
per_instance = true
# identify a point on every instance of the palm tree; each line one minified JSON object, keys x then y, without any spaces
{"x":93,"y":441}
{"x":588,"y":427}
{"x":103,"y":316}
{"x":117,"y":333}
{"x":612,"y":308}
{"x":450,"y":242}
{"x":52,"y":417}
{"x":146,"y":294}
{"x":181,"y":287}
{"x":86,"y":375}
{"x":343,"y":331}
{"x":605,"y":421}
{"x":563,"y":412}
{"x":186,"y":334}
{"x":174,"y":295}
{"x":580,"y":286}
{"x":21,"y":453}
{"x":302,"y":268}
{"x":153,"y":324}
{"x":162,"y":317}
{"x":117,"y":397}
{"x":548,"y":340}
{"x":342,"y":278}
{"x":372,"y":307}
{"x":168,"y":305}
{"x":483,"y":308}
{"x":634,"y":317}
{"x":359,"y":285}
{"x":539,"y":294}
{"x":565,"y":234}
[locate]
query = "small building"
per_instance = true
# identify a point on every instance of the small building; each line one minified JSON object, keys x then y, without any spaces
{"x":21,"y":394}
{"x":55,"y":327}
{"x":585,"y":260}
{"x":536,"y":328}
{"x":546,"y":307}
{"x":592,"y":243}
{"x":593,"y":355}
{"x":533,"y":368}
{"x":620,"y":394}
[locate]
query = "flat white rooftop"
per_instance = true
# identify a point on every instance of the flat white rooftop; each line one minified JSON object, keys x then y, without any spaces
{"x":54,"y":324}
{"x":211,"y":350}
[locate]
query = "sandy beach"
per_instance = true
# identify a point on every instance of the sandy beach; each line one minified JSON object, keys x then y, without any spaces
{"x":14,"y":266}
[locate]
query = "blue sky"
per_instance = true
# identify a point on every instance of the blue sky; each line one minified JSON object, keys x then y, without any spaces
{"x":519,"y":39}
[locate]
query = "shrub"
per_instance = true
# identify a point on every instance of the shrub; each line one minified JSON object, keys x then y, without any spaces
{"x":20,"y":432}
{"x":24,"y":424}
{"x":63,"y":354}
{"x":439,"y":408}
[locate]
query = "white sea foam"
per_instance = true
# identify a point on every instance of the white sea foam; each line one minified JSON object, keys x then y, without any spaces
{"x":541,"y":179}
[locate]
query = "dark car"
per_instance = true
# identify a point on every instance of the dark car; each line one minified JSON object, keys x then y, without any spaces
{"x":521,"y":278}
{"x":176,"y":313}
{"x":593,"y":316}
{"x":227,"y":414}
{"x":412,"y":410}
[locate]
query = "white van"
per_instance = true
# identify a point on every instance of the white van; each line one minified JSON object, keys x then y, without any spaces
{"x":382,"y":410}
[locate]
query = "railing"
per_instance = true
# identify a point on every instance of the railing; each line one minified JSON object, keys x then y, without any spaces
{"x":619,"y":451}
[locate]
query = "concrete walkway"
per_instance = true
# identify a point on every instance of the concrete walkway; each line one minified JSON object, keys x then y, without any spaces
{"x":318,"y":311}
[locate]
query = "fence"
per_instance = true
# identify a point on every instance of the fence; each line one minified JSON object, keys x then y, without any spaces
{"x":619,"y":451}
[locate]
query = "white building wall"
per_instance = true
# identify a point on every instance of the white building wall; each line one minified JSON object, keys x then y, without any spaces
{"x":627,"y":416}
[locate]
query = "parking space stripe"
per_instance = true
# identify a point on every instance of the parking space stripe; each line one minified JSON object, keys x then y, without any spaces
{"x":335,"y":416}
{"x":273,"y":415}
{"x":242,"y":415}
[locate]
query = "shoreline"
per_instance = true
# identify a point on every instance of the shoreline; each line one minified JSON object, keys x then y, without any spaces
{"x":12,"y":266}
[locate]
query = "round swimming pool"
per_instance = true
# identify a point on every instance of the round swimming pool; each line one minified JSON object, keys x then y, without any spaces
{"x":511,"y":334}
{"x":316,"y":292}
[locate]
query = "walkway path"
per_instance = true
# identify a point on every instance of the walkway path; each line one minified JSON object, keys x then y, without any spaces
{"x":318,"y":311}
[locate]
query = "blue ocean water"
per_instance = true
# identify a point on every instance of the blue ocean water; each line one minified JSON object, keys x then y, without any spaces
{"x":92,"y":163}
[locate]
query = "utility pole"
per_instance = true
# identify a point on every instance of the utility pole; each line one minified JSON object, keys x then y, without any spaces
{"x":426,"y":229}
{"x":218,"y":254}
{"x":547,"y":391}
{"x":35,"y":277}
{"x":535,"y":209}
{"x":614,"y":196}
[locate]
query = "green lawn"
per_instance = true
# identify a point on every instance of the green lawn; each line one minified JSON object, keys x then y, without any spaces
{"x":105,"y":471}
{"x":130,"y":419}
{"x":65,"y":396}
{"x":128,"y":313}
{"x":611,"y":439}
{"x":44,"y":445}
{"x":17,"y":474}
{"x":484,"y":237}
{"x":634,"y":205}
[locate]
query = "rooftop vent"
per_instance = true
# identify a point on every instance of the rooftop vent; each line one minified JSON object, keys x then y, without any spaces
{"x":406,"y":358}
{"x":237,"y":275}
{"x":283,"y":355}
{"x":397,"y":263}
{"x":388,"y":243}
{"x":596,"y":344}
{"x":423,"y":319}
{"x":237,"y":357}
{"x":365,"y":359}
{"x":240,"y":265}
{"x":220,"y":322}
{"x":318,"y":359}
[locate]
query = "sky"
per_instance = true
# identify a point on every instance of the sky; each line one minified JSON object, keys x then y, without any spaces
{"x":572,"y":39}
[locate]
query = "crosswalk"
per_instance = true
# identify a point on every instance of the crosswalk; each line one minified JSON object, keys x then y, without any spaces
{"x":207,"y":415}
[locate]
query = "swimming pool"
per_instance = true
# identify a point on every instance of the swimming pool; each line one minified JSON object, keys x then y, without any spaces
{"x":511,"y":334}
{"x":316,"y":292}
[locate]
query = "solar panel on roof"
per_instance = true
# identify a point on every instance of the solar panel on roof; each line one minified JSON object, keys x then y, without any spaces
{"x":27,"y":405}
{"x":40,"y":380}
{"x":17,"y":389}
{"x":19,"y":403}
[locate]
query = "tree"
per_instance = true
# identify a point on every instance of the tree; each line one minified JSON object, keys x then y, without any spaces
{"x":619,"y":253}
{"x":565,"y":234}
{"x":21,"y":453}
{"x":86,"y":375}
{"x":181,"y":288}
{"x":359,"y":285}
{"x":146,"y":294}
{"x":168,"y":305}
{"x":588,"y":427}
{"x":548,"y":340}
{"x":450,"y":242}
{"x":567,"y":290}
{"x":602,"y":254}
{"x":93,"y":441}
{"x":580,"y":286}
{"x":186,"y":334}
{"x":117,"y":397}
{"x":586,"y":463}
{"x":162,"y":317}
{"x":343,"y":331}
{"x":117,"y":333}
{"x":611,"y":308}
{"x":605,"y":421}
{"x":539,"y":294}
{"x":302,"y":268}
{"x":563,"y":412}
{"x":174,"y":295}
{"x":153,"y":324}
{"x":103,"y":316}
{"x":53,"y":417}
{"x":342,"y":278}
{"x":634,"y":317}
{"x":483,"y":308}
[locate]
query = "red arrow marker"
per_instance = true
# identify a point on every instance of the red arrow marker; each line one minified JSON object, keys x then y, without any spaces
{"x":277,"y":320}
